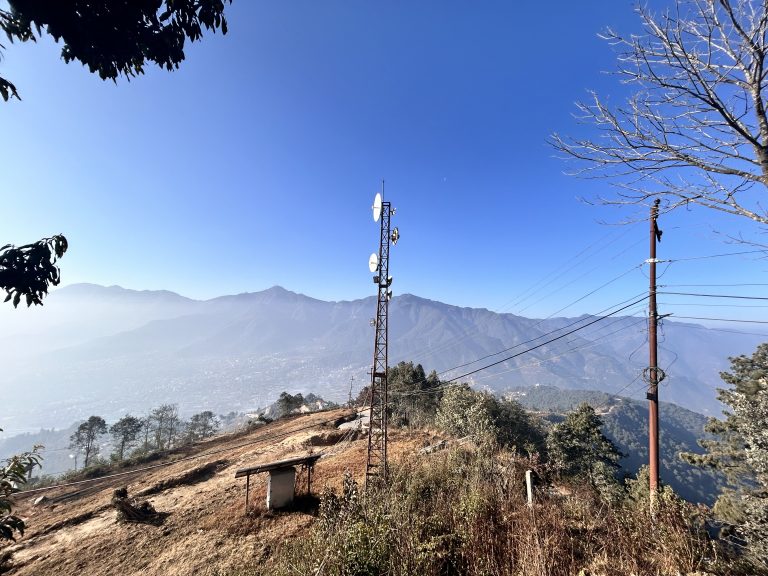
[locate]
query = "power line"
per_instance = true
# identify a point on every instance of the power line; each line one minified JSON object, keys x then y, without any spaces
{"x":715,"y":305}
{"x":639,"y":346}
{"x":707,"y":285}
{"x":44,"y":449}
{"x":587,"y":273}
{"x":715,"y":295}
{"x":595,"y":321}
{"x":700,"y":327}
{"x":591,"y":344}
{"x":520,"y":299}
{"x":595,"y":290}
{"x":539,"y":337}
{"x":723,"y":319}
{"x":714,"y":256}
{"x":576,"y":261}
{"x":467,"y":334}
{"x":446,"y":384}
{"x":618,"y":392}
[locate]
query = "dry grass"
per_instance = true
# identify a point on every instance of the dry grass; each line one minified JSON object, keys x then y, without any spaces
{"x":452,"y":512}
{"x":462,"y":513}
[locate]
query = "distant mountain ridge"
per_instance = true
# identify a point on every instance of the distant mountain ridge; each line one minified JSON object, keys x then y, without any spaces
{"x":110,"y":350}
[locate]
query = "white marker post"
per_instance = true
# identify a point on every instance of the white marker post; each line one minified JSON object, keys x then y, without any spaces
{"x":529,"y":486}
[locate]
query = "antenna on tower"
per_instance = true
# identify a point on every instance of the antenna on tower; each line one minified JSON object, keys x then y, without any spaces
{"x":376,"y":466}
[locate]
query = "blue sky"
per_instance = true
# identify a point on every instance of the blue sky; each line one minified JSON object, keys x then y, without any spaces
{"x":256,"y":163}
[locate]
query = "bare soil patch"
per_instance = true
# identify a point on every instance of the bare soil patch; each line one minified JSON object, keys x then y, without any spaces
{"x":206,"y":529}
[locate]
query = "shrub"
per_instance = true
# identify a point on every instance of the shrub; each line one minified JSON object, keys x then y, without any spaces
{"x":463,"y":512}
{"x":13,"y":476}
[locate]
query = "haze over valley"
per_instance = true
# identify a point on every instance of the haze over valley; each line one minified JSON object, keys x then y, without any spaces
{"x":109,"y":350}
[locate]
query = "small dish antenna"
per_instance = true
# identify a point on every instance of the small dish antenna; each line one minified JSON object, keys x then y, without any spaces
{"x":373,"y":262}
{"x":377,"y":207}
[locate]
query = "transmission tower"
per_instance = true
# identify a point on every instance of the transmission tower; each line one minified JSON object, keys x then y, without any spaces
{"x":376,"y":467}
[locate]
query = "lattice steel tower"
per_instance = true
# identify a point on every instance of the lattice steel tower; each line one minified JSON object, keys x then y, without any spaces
{"x":376,"y":467}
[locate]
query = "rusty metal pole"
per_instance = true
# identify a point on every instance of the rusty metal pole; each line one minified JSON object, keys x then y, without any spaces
{"x":653,"y":376}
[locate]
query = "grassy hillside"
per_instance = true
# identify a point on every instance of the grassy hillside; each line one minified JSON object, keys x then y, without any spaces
{"x":460,"y":510}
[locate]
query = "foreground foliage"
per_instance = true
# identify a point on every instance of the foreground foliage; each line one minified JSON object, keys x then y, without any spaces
{"x":27,"y":271}
{"x":113,"y":38}
{"x":464,"y":512}
{"x":739,"y":450}
{"x":13,"y":475}
{"x":489,"y":421}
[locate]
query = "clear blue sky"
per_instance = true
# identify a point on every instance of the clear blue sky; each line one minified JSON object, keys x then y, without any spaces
{"x":256,"y":163}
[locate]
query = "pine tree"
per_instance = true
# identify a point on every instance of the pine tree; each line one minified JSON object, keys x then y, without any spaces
{"x":413,"y":395}
{"x":739,"y":449}
{"x":578,"y":449}
{"x":726,"y":452}
{"x":751,"y":411}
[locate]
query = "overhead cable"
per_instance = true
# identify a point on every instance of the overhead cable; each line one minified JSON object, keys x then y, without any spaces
{"x":714,"y":256}
{"x":531,"y":349}
{"x":539,"y":337}
{"x":723,"y":319}
{"x":715,"y":295}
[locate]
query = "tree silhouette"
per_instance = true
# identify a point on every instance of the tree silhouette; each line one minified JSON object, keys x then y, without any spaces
{"x":113,"y":37}
{"x":124,"y":432}
{"x":28,"y":270}
{"x":86,"y":437}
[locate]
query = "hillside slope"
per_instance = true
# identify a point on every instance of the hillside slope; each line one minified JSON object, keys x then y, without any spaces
{"x":206,"y":530}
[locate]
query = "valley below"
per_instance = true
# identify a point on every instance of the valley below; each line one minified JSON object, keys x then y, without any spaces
{"x":108,"y":350}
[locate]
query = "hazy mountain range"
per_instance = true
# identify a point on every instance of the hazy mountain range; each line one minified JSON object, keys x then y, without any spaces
{"x":108,"y":350}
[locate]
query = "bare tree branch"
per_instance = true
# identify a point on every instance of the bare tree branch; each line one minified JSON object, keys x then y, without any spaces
{"x":695,"y":131}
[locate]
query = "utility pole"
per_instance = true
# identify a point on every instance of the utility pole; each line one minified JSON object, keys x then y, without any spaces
{"x":653,"y":368}
{"x":351,"y":381}
{"x":376,"y":466}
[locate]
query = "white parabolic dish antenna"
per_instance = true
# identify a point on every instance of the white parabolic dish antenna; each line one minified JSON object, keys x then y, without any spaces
{"x":377,"y":207}
{"x":373,"y":262}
